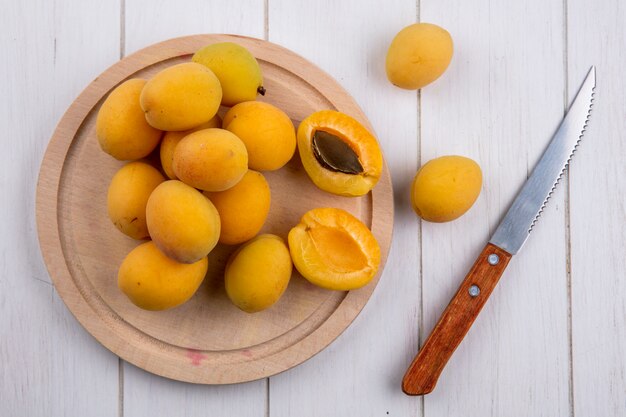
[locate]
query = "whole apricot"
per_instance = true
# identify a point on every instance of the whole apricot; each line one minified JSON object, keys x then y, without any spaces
{"x":258,"y":273}
{"x":445,"y":188}
{"x":210,"y":159}
{"x":128,"y":196}
{"x":339,"y":154}
{"x":171,"y":139}
{"x":418,"y":55}
{"x":242,"y":208}
{"x":333,"y":249}
{"x":236,"y":68}
{"x":181,"y":97}
{"x":182,"y":222}
{"x":121,"y":128}
{"x":153,"y":281}
{"x":267,"y":132}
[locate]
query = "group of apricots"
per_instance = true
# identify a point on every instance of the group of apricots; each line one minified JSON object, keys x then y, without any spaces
{"x":209,"y":187}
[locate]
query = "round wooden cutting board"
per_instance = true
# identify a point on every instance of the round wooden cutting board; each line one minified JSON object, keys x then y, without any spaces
{"x":207,"y":340}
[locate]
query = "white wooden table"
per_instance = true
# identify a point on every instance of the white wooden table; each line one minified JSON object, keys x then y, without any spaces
{"x":550,"y":342}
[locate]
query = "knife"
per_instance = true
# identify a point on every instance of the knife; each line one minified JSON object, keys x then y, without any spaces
{"x":508,"y":239}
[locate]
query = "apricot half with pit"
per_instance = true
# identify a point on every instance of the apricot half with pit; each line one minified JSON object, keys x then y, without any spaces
{"x":339,"y":154}
{"x":333,"y":249}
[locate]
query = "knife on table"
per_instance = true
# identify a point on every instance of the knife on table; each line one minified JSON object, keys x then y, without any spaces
{"x":508,"y":239}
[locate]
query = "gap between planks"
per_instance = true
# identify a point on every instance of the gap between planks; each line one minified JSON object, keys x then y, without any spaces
{"x":120,"y":361}
{"x":568,"y":235}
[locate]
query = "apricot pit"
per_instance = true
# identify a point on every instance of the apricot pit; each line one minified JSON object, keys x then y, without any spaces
{"x":339,"y":154}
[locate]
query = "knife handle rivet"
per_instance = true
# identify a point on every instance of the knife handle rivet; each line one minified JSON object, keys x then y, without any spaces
{"x":474,"y":290}
{"x":493,"y":259}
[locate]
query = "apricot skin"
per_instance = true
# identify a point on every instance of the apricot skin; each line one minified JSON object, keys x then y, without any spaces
{"x":267,"y":132}
{"x":258,"y":273}
{"x":153,"y":281}
{"x":171,"y":139}
{"x":181,"y":97}
{"x":182,"y":222}
{"x":210,"y":159}
{"x":237,"y":69}
{"x":128,"y":195}
{"x":334,"y":250}
{"x":243,"y":208}
{"x":445,"y":188}
{"x":418,"y":55}
{"x":121,"y":127}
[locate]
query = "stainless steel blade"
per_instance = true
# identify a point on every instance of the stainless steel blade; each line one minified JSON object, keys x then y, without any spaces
{"x":516,"y":226}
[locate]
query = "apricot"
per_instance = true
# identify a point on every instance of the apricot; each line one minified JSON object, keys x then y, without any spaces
{"x":181,"y":97}
{"x":418,"y":55}
{"x":210,"y":159}
{"x":121,"y":127}
{"x":236,"y":68}
{"x":258,"y":273}
{"x":153,"y":281}
{"x":339,"y":154}
{"x":182,"y":222}
{"x":171,"y":139}
{"x":445,"y":188}
{"x":267,"y":132}
{"x":128,"y":196}
{"x":243,"y":208}
{"x":333,"y":249}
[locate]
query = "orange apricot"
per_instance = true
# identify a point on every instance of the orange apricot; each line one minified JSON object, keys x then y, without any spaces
{"x":333,"y":249}
{"x":339,"y":154}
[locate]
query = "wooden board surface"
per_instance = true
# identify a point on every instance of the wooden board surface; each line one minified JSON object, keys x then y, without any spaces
{"x":207,"y":340}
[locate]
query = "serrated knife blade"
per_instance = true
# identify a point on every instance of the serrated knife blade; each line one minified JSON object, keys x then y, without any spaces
{"x":518,"y":222}
{"x":508,"y":239}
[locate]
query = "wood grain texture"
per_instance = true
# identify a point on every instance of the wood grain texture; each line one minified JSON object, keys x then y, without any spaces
{"x":499,"y":103}
{"x":455,"y":322}
{"x":596,"y":36}
{"x":48,"y":364}
{"x":360,"y":373}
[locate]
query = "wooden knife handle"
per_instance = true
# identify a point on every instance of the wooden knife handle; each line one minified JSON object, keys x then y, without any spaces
{"x":456,"y":320}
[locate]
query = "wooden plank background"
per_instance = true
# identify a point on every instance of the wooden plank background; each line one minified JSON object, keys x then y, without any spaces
{"x":550,"y":342}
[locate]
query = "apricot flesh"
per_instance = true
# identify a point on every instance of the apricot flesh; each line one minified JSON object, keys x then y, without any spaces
{"x":153,"y":281}
{"x":210,"y":159}
{"x":333,"y":249}
{"x":258,"y":273}
{"x":181,"y":97}
{"x":267,"y":132}
{"x":128,"y":195}
{"x":121,"y":128}
{"x":445,"y":188}
{"x":182,"y":222}
{"x":339,"y":154}
{"x":418,"y":55}
{"x":171,"y":139}
{"x":243,"y":208}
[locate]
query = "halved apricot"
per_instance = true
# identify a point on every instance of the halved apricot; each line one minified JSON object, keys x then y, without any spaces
{"x":339,"y":154}
{"x":333,"y":249}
